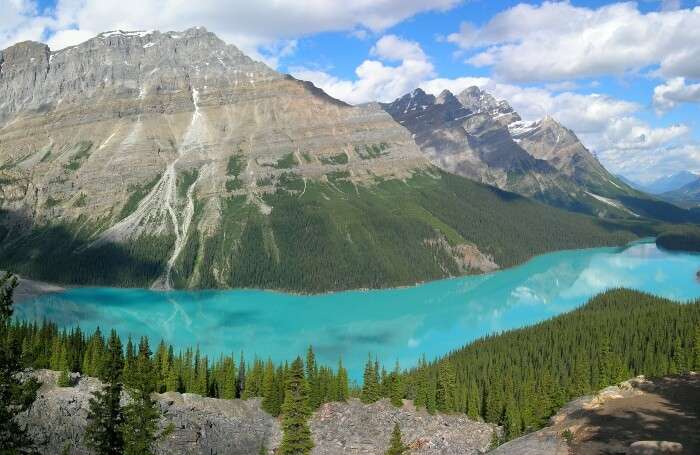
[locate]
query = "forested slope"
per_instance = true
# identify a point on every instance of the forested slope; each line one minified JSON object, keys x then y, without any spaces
{"x":521,"y":377}
{"x":322,"y":236}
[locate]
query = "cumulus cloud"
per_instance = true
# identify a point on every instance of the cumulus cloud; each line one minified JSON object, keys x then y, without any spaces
{"x":532,"y":42}
{"x":673,"y":92}
{"x":377,"y":80}
{"x":605,"y":124}
{"x":247,"y":24}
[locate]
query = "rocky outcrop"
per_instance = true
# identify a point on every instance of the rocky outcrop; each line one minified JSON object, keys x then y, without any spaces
{"x":638,"y":416}
{"x":211,"y":426}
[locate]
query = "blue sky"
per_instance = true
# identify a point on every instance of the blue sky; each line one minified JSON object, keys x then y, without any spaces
{"x":624,"y":76}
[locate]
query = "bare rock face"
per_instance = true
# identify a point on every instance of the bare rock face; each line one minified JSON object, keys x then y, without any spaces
{"x":474,"y":135}
{"x":57,"y":420}
{"x":83,"y":127}
{"x":468,"y":135}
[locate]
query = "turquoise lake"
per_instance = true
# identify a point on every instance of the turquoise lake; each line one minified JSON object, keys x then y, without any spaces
{"x":403,"y":324}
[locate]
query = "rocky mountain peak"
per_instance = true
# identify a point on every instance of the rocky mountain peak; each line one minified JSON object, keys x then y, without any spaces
{"x":480,"y":101}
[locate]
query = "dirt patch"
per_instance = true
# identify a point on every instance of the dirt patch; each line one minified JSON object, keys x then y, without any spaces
{"x":668,"y":410}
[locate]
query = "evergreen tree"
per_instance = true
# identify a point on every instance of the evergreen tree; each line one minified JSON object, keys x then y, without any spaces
{"x":296,"y":411}
{"x":446,"y":387}
{"x":269,"y":402}
{"x":396,"y":387}
{"x":15,"y":396}
{"x":473,"y":401}
{"x":370,"y":385}
{"x":342,"y":388}
{"x":312,"y":379}
{"x":103,"y":433}
{"x":172,"y":381}
{"x":396,"y":446}
{"x":678,"y":360}
{"x":141,"y":415}
{"x":512,"y":422}
{"x":228,"y":379}
{"x":240,"y":382}
{"x":696,"y":349}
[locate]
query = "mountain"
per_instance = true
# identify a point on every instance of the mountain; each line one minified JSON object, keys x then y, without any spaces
{"x":171,"y":159}
{"x":686,"y":196}
{"x":474,"y":135}
{"x":669,"y":183}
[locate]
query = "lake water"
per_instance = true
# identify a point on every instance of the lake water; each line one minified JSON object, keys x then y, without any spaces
{"x":403,"y":324}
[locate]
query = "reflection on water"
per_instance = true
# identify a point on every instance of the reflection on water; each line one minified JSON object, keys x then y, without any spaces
{"x":401,"y":324}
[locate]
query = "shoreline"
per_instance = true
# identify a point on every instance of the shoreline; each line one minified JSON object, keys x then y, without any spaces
{"x":29,"y":288}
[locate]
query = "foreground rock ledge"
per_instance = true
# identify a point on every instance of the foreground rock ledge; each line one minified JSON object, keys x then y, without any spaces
{"x":213,"y":426}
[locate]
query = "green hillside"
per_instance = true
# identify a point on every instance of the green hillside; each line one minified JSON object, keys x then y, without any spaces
{"x":324,"y":236}
{"x":521,"y":377}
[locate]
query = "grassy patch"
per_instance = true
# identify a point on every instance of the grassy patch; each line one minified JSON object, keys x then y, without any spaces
{"x":288,"y":161}
{"x":185,"y":179}
{"x":341,"y":158}
{"x":81,"y":152}
{"x":136,"y":194}
{"x":81,"y":201}
{"x":235,"y":165}
{"x":368,"y":152}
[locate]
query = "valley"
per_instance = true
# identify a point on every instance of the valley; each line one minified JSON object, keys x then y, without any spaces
{"x":453,"y":271}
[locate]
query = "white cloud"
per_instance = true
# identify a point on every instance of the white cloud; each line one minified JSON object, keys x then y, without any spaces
{"x":247,"y":24}
{"x":674,"y":92}
{"x":606,"y":125}
{"x":376,"y":80}
{"x":650,"y":164}
{"x":560,"y":41}
{"x":391,"y":47}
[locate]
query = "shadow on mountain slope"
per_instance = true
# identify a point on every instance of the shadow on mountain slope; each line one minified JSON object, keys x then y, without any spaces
{"x":59,"y":253}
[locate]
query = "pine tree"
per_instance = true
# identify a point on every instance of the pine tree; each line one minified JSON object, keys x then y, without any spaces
{"x":269,"y":402}
{"x":15,"y":396}
{"x":172,"y":381}
{"x":512,"y":422}
{"x":677,"y":360}
{"x":129,"y":360}
{"x":296,"y":411}
{"x":396,"y":386}
{"x":240,"y":382}
{"x":396,"y":446}
{"x":696,"y":349}
{"x":431,"y":402}
{"x":342,"y":388}
{"x":103,"y":433}
{"x":473,"y":401}
{"x":313,"y":379}
{"x":370,"y":385}
{"x":446,"y":387}
{"x":141,"y":415}
{"x":228,"y":379}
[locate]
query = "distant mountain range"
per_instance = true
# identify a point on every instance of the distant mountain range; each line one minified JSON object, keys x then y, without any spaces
{"x":171,"y":159}
{"x":668,"y":183}
{"x":686,"y":196}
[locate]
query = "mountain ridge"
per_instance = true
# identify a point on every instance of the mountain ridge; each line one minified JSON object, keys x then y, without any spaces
{"x":174,"y":160}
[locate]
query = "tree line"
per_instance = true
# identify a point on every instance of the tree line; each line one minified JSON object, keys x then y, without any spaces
{"x":516,"y":379}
